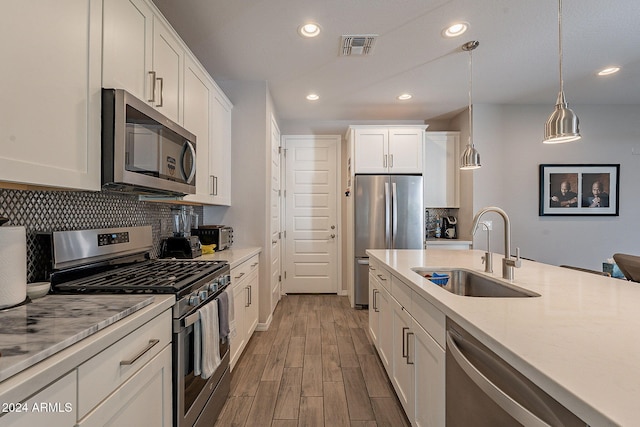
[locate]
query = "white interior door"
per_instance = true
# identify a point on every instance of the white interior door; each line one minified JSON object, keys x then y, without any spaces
{"x":276,"y":221}
{"x":311,"y":220}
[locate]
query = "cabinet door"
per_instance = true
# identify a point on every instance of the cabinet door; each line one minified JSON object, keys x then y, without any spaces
{"x":429,"y":378}
{"x":127,"y":46}
{"x":145,"y":399}
{"x":385,"y":329}
{"x":238,"y":342}
{"x":197,"y":116}
{"x":220,"y":149}
{"x":61,"y":393}
{"x":374,"y":310}
{"x":168,"y":61}
{"x":251,"y":311}
{"x":405,"y":150}
{"x":441,"y":171}
{"x":371,"y":146}
{"x":402,"y":370}
{"x":51,"y":93}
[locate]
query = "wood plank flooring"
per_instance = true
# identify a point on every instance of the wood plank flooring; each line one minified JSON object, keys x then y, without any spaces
{"x":315,"y":366}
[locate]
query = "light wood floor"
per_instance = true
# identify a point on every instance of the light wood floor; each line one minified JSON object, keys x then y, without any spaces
{"x":315,"y":366}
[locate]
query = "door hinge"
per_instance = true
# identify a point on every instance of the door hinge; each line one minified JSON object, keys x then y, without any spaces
{"x":285,"y":274}
{"x":279,"y":235}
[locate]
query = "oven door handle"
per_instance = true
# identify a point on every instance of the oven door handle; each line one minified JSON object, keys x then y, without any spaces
{"x":191,"y":319}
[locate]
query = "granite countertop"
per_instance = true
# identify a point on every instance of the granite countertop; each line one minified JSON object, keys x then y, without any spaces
{"x":35,"y":331}
{"x":234,"y":256}
{"x":576,"y":341}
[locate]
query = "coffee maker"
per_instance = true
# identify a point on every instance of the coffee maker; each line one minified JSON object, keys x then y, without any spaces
{"x":450,"y":227}
{"x":182,"y":244}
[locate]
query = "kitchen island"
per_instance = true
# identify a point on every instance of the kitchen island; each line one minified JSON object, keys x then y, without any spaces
{"x":575,"y":340}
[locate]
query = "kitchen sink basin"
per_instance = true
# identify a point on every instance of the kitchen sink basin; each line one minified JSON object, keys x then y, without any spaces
{"x":471,"y":284}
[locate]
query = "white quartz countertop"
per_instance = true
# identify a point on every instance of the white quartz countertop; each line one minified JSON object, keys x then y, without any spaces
{"x":234,"y":256}
{"x":46,"y":338}
{"x":448,"y":242}
{"x":577,"y":341}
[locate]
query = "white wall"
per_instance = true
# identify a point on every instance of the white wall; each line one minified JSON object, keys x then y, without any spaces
{"x":509,"y":139}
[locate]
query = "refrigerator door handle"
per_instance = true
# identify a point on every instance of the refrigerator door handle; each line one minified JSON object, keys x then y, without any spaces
{"x":387,"y":217}
{"x":394,"y":204}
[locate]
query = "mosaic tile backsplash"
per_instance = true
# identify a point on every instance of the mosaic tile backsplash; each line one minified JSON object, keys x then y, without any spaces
{"x":45,"y":211}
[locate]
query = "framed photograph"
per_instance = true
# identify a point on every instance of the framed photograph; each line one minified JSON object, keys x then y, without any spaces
{"x":579,"y":189}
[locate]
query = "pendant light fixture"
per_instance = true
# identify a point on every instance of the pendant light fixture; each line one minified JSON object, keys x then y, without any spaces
{"x":470,"y":157}
{"x":563,"y":124}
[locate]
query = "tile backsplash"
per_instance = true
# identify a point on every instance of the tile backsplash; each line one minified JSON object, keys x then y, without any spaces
{"x":45,"y":211}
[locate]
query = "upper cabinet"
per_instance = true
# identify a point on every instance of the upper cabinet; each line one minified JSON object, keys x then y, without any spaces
{"x":142,"y":55}
{"x":51,"y":97}
{"x":393,"y":149}
{"x":441,"y":170}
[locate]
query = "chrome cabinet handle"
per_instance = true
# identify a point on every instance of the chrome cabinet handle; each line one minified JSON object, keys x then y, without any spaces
{"x":391,"y":160}
{"x":250,"y":295}
{"x":404,"y":343}
{"x":254,"y":264}
{"x":152,"y":74}
{"x":152,"y":342}
{"x":161,"y":80}
{"x":375,"y":300}
{"x":506,"y":402}
{"x":248,"y":303}
{"x":213,"y":185}
{"x":382,"y":277}
{"x":239,"y":276}
{"x":384,"y":161}
{"x":371,"y":268}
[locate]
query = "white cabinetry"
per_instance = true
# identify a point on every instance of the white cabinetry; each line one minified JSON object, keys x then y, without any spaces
{"x":441,"y":170}
{"x":142,"y":55}
{"x":220,"y":148}
{"x":51,"y":93}
{"x":62,"y":394}
{"x":244,"y":282}
{"x":391,"y":149}
{"x":410,"y":341}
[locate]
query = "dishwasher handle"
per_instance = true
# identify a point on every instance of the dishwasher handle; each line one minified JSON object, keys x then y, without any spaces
{"x":506,"y":402}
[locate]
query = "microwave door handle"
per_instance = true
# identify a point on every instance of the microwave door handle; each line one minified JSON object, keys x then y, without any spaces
{"x":192,"y":173}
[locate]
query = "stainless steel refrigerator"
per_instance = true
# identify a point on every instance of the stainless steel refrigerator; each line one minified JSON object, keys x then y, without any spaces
{"x":388,"y":214}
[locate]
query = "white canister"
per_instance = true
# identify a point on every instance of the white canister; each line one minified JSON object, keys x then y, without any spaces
{"x":13,"y":266}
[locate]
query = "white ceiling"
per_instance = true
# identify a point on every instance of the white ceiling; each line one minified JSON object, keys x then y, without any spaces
{"x":516,"y":62}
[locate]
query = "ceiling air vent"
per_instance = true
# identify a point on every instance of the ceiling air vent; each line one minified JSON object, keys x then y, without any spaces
{"x":361,"y":45}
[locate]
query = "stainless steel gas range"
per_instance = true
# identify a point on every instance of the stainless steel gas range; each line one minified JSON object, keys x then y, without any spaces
{"x":117,"y":260}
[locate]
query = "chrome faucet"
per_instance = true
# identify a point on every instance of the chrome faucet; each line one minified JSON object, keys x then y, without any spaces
{"x":508,"y":263}
{"x":487,"y":258}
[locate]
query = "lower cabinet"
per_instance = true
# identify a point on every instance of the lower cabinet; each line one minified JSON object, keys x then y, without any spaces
{"x":244,"y":282}
{"x":144,"y":399}
{"x":409,"y":349}
{"x":61,"y":394}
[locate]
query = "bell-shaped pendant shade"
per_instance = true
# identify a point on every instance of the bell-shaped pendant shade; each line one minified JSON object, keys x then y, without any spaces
{"x":470,"y":158}
{"x":562,"y":125}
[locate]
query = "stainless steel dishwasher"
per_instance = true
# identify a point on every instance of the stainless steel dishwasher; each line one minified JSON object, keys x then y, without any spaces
{"x":483,"y":390}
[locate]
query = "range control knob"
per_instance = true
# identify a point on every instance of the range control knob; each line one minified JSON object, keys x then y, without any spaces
{"x":213,"y":286}
{"x":203,"y":295}
{"x":194,"y":300}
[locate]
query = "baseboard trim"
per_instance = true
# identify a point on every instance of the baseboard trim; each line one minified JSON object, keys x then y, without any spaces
{"x":261,"y":327}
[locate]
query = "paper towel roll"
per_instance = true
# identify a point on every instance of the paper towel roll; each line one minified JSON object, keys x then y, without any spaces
{"x":13,"y":266}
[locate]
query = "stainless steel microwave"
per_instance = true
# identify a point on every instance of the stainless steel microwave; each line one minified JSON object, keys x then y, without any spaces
{"x":144,"y":152}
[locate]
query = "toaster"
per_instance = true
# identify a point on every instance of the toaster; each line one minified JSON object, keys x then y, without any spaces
{"x":220,"y":235}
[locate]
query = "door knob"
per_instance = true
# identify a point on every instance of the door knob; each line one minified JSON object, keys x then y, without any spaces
{"x":333,"y":227}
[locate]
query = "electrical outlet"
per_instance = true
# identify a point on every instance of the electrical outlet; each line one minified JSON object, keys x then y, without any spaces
{"x":488,"y":224}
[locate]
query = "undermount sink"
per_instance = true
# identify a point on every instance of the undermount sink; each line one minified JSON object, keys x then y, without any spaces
{"x":471,"y":284}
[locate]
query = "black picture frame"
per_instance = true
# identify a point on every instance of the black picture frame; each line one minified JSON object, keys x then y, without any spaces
{"x":579,"y":189}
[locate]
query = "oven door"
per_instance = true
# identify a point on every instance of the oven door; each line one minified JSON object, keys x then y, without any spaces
{"x":193,"y":395}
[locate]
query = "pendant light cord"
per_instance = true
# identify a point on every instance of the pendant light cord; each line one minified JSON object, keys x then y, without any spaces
{"x":470,"y":97}
{"x":560,"y":44}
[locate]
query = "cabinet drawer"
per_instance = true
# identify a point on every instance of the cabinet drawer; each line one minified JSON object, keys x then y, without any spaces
{"x":401,"y":292}
{"x":382,"y":275}
{"x":103,"y":373}
{"x":429,"y":317}
{"x":243,"y":270}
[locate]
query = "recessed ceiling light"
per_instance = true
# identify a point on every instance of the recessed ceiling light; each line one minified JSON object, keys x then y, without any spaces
{"x":454,"y":30}
{"x":313,"y":97}
{"x":608,"y":71}
{"x":310,"y":29}
{"x":405,"y":96}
